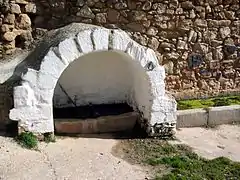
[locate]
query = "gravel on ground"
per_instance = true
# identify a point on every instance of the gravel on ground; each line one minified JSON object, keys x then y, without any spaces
{"x":92,"y":159}
{"x":210,"y":143}
{"x":66,"y":159}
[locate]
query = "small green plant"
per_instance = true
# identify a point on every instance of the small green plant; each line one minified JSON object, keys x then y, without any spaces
{"x":179,"y":162}
{"x":222,"y":102}
{"x":206,"y":103}
{"x":49,"y":137}
{"x":27,"y":140}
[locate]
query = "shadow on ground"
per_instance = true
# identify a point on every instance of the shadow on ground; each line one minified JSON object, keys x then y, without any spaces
{"x":11,"y":130}
{"x":136,"y":133}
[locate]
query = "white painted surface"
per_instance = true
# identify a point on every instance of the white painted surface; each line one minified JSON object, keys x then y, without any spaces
{"x":102,"y":78}
{"x":97,"y":78}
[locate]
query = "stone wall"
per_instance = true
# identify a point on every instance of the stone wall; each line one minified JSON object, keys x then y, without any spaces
{"x":197,"y":41}
{"x":6,"y":104}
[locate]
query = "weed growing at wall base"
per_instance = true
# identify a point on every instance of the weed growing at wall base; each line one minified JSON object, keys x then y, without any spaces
{"x":27,"y":140}
{"x":49,"y":137}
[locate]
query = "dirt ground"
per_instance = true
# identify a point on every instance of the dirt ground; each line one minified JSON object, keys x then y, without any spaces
{"x":92,"y":158}
{"x":67,"y":159}
{"x":223,"y":140}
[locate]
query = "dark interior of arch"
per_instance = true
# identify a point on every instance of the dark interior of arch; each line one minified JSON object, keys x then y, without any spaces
{"x":92,"y":111}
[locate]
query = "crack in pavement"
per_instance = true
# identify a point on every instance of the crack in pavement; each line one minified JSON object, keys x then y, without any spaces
{"x":48,"y":161}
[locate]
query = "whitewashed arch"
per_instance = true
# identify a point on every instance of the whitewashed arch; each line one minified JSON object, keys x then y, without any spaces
{"x":33,"y":107}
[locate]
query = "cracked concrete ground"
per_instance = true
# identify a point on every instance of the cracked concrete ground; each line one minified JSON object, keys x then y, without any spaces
{"x":67,"y":159}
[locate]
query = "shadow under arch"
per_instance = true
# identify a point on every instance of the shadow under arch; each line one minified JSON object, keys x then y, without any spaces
{"x":102,"y":85}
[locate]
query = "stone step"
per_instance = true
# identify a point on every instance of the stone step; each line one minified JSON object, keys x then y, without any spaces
{"x":104,"y":124}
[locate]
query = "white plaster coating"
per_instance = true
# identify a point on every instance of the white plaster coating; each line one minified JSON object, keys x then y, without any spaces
{"x":43,"y":96}
{"x":142,"y":98}
{"x":31,"y":113}
{"x":151,"y":56}
{"x":158,"y":89}
{"x":46,"y":81}
{"x":85,"y":41}
{"x":157,"y":75}
{"x":40,"y":126}
{"x":163,"y":103}
{"x":30,"y":77}
{"x":130,"y":81}
{"x":164,"y":109}
{"x":120,"y":40}
{"x":52,"y":64}
{"x":136,"y":52}
{"x":68,"y":50}
{"x":23,"y":96}
{"x":97,"y":78}
{"x":101,"y":39}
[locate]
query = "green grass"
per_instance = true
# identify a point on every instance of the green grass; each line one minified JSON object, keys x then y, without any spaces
{"x":205,"y":103}
{"x":178,"y":162}
{"x":27,"y":140}
{"x":30,"y":141}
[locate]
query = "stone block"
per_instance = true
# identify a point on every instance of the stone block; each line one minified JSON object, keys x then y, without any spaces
{"x":68,"y":50}
{"x":41,"y":126}
{"x":30,"y":77}
{"x":46,"y":81}
{"x":192,"y":118}
{"x":120,"y":40}
{"x":158,"y":89}
{"x":68,"y":126}
{"x":101,"y":39}
{"x":157,"y":75}
{"x":85,"y":41}
{"x":104,"y":124}
{"x":137,"y":52}
{"x":53,"y":65}
{"x":162,"y":117}
{"x":151,"y":56}
{"x":44,"y":96}
{"x":164,"y":104}
{"x":31,"y":8}
{"x":30,"y":114}
{"x":224,"y":115}
{"x":23,"y":96}
{"x":157,"y":118}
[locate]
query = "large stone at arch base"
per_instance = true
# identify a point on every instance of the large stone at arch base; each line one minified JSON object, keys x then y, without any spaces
{"x":33,"y":108}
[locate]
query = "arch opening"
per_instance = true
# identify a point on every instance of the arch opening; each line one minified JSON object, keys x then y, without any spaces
{"x":132,"y":76}
{"x":99,"y":92}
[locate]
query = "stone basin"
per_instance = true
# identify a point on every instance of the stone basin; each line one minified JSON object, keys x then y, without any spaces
{"x":103,"y":124}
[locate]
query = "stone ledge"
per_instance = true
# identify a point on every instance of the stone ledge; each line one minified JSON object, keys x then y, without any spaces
{"x":224,"y":115}
{"x":208,"y":117}
{"x":106,"y":124}
{"x":192,"y":118}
